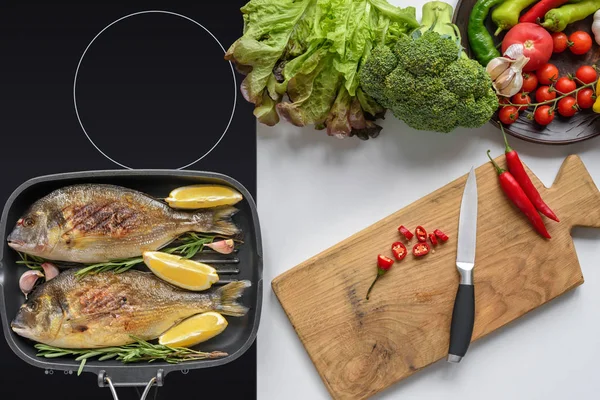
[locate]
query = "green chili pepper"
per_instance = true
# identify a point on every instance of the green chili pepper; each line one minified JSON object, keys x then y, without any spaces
{"x":557,"y":19}
{"x":506,"y":15}
{"x":480,"y":40}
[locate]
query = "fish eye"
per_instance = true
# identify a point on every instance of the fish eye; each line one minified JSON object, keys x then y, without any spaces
{"x":33,"y":306}
{"x":28,"y":222}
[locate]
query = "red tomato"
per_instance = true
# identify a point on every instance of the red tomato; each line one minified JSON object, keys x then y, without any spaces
{"x":503,"y":100}
{"x":530,"y":82}
{"x":508,"y":115}
{"x":420,"y":249}
{"x":536,"y":41}
{"x":586,"y":74}
{"x":545,"y":93}
{"x":567,"y":106}
{"x":544,"y":115}
{"x":581,"y":42}
{"x":399,"y":251}
{"x":585,"y":98}
{"x":560,"y":42}
{"x":547,"y":74}
{"x":565,"y":85}
{"x":521,"y":98}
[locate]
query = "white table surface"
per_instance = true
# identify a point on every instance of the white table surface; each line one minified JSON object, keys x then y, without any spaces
{"x":314,"y":191}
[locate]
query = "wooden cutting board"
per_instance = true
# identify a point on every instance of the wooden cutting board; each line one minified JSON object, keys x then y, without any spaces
{"x":361,"y":347}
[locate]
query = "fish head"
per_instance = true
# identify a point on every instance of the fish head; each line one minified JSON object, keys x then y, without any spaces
{"x":40,"y":318}
{"x":31,"y":234}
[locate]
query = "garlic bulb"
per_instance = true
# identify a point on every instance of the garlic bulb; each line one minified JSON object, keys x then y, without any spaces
{"x":596,"y":26}
{"x":507,"y":72}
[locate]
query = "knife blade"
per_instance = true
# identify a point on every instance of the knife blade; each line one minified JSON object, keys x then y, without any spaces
{"x":463,"y":314}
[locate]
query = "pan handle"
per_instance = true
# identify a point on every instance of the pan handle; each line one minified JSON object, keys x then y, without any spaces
{"x":105,"y":380}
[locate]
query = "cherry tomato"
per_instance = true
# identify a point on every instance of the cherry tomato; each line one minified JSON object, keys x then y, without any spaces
{"x":544,"y":115}
{"x":384,"y":263}
{"x":503,"y":100}
{"x":547,"y":74}
{"x":560,"y":42}
{"x":567,"y":106}
{"x":530,"y":82}
{"x":545,"y":93}
{"x":586,"y":74}
{"x":565,"y":85}
{"x":536,"y":41}
{"x":441,"y":235}
{"x":433,"y":239}
{"x":407,"y":234}
{"x":585,"y":98}
{"x":420,"y":249}
{"x":421,"y":234}
{"x":399,"y":251}
{"x":521,"y":98}
{"x":580,"y":42}
{"x":508,"y":115}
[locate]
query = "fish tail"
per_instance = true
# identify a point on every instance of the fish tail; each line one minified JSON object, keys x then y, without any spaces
{"x":226,"y":296}
{"x":222,"y":223}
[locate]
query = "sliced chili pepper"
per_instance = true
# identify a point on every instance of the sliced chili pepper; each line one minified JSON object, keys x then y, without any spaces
{"x":515,"y":166}
{"x":383,"y":265}
{"x":433,"y":239}
{"x":420,"y":249}
{"x":440,"y":235}
{"x":515,"y":193}
{"x":407,"y":234}
{"x":421,"y":234}
{"x":399,"y":251}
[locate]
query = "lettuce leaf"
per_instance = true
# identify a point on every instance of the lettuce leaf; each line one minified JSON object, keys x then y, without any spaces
{"x":301,"y":60}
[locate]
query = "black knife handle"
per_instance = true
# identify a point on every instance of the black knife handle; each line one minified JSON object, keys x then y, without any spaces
{"x":463,"y":318}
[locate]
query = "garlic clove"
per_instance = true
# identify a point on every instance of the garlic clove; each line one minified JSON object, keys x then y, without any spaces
{"x":515,"y":86}
{"x":514,"y":51}
{"x":50,"y":270}
{"x":497,"y":66}
{"x":28,"y":279}
{"x":504,"y":80}
{"x":222,"y":246}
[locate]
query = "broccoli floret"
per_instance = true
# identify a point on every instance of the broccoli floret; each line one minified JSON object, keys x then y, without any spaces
{"x":427,"y":81}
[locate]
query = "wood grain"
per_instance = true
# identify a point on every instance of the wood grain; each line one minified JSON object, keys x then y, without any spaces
{"x":361,"y":347}
{"x":584,"y":125}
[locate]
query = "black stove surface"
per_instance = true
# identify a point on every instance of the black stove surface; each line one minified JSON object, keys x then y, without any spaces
{"x":128,"y":84}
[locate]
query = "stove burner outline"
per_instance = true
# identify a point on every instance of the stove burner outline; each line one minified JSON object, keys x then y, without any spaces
{"x":154,"y":12}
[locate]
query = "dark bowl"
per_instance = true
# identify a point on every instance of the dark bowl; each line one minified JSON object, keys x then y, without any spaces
{"x":235,"y":340}
{"x":583,"y":125}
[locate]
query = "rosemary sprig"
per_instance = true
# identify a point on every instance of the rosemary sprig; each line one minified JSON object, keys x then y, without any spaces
{"x":31,"y":262}
{"x":138,"y":351}
{"x":192,"y":243}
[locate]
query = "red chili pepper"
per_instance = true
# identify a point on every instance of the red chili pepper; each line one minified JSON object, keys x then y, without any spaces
{"x":515,"y":166}
{"x":421,"y":234}
{"x":440,"y":235}
{"x":420,"y":249}
{"x":407,"y":234}
{"x":515,"y":193}
{"x":383,"y":265}
{"x":399,"y":251}
{"x":433,"y":239}
{"x":538,"y":11}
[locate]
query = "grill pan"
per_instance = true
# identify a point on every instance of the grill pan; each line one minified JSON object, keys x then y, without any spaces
{"x":235,"y":340}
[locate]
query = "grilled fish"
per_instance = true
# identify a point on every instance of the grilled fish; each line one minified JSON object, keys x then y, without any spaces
{"x":98,"y":223}
{"x":105,"y":309}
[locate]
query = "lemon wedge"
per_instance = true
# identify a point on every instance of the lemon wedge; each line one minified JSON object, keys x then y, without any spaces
{"x":194,"y":330}
{"x":179,"y":271}
{"x":203,"y":196}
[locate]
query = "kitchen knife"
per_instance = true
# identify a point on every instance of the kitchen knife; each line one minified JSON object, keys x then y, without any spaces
{"x":463,"y":315}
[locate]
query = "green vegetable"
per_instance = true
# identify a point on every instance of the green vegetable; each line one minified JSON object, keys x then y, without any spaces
{"x":506,"y":15}
{"x":312,"y":50}
{"x":557,"y":19}
{"x":480,"y":40}
{"x":426,"y":79}
{"x":135,"y":352}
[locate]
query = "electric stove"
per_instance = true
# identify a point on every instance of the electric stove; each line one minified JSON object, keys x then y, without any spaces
{"x":128,"y":84}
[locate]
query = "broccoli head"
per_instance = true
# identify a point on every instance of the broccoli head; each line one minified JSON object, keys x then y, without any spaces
{"x":427,"y":81}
